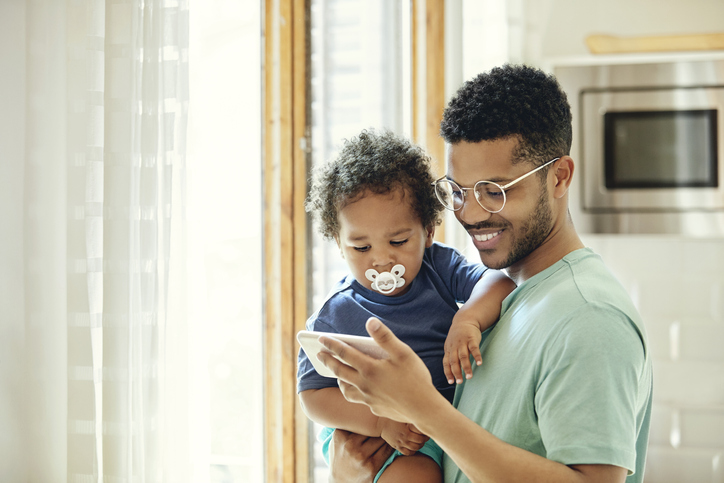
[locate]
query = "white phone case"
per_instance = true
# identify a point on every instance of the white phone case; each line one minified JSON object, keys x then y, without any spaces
{"x":309,"y":341}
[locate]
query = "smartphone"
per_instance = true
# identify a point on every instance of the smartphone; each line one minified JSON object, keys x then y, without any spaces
{"x":309,"y":341}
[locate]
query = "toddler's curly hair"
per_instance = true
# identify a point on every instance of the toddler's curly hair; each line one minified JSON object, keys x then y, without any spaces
{"x":379,"y":162}
{"x":512,"y":100}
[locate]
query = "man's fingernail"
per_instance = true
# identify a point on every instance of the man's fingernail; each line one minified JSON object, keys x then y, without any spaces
{"x":374,"y":324}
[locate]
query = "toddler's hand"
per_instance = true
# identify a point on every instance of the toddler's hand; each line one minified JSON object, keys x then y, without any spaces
{"x":401,"y":436}
{"x":462,"y":341}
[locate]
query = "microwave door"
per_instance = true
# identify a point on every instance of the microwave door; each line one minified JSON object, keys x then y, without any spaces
{"x":653,"y":149}
{"x":660,"y":149}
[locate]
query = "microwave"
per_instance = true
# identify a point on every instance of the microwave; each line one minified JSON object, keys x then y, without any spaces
{"x":648,"y":143}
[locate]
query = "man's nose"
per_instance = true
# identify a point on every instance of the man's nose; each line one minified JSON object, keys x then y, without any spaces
{"x":472,"y":213}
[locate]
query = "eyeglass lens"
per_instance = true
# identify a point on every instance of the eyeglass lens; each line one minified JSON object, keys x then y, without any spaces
{"x":489,"y":195}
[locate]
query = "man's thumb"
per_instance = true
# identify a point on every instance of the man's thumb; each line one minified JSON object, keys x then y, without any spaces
{"x":380,"y":332}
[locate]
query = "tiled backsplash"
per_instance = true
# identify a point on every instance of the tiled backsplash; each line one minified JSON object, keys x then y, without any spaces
{"x":678,"y":286}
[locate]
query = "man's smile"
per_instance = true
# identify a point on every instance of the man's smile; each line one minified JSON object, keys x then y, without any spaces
{"x":486,"y":239}
{"x":487,"y":236}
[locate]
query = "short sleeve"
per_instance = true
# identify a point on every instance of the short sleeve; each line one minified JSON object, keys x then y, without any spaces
{"x":586,"y":399}
{"x":457,"y":273}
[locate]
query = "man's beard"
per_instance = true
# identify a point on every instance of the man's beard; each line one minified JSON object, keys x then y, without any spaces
{"x":531,"y":235}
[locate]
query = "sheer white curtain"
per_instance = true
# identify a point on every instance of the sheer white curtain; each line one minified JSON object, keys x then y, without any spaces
{"x":93,"y":341}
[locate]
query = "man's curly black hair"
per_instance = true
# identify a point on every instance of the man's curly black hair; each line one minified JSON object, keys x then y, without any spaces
{"x":512,"y":100}
{"x":378,"y":162}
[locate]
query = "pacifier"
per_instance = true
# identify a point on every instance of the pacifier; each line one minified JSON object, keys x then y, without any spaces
{"x":386,"y":282}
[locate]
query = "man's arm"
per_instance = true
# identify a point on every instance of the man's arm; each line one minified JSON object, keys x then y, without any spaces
{"x":478,"y":313}
{"x":484,"y":458}
{"x":401,"y":388}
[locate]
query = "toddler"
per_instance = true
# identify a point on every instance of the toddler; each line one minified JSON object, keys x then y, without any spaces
{"x":376,"y":200}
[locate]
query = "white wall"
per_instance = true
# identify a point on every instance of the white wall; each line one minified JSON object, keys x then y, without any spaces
{"x":564,"y":24}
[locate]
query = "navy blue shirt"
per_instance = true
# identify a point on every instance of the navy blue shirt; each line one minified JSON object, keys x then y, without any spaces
{"x":421,"y":317}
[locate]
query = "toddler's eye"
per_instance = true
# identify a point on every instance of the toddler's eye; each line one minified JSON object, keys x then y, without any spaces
{"x":362,"y":249}
{"x":398,"y":243}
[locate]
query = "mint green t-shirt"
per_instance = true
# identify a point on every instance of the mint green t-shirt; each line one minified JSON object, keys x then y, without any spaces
{"x":566,"y":371}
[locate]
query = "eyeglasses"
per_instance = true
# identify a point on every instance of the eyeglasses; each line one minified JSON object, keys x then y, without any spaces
{"x":490,"y":195}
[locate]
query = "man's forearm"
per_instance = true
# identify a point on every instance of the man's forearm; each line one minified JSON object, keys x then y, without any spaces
{"x":484,"y":458}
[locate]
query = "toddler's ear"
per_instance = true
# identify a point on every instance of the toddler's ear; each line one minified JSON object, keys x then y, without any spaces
{"x":341,"y":253}
{"x":430,"y":236}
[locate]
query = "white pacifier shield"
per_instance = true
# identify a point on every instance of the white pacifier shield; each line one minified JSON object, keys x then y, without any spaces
{"x":386,"y":282}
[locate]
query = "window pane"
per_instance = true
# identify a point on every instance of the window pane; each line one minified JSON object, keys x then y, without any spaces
{"x":225,"y":237}
{"x":360,"y":79}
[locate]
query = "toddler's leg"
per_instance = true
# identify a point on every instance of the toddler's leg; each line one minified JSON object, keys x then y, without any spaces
{"x":418,"y":468}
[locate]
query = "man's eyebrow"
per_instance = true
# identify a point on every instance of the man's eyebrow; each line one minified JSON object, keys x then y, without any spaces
{"x":500,"y":180}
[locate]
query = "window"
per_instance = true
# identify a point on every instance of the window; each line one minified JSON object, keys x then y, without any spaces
{"x":225,"y":224}
{"x":360,"y":76}
{"x":357,"y":83}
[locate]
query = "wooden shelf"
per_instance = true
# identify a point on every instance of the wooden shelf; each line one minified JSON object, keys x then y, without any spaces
{"x":609,"y":44}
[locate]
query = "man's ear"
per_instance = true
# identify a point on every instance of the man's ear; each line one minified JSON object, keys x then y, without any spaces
{"x":430,"y":236}
{"x":563,"y":171}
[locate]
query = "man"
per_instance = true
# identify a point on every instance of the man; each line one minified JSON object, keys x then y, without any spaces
{"x":564,"y":389}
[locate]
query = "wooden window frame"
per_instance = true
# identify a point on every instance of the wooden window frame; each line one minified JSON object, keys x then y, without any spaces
{"x":286,"y":161}
{"x":285,"y":125}
{"x":428,"y":82}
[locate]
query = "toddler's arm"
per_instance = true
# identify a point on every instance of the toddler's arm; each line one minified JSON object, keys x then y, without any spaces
{"x":328,"y":407}
{"x":477,"y":314}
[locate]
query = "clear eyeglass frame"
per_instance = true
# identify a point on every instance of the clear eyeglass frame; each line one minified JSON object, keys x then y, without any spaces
{"x":497,"y":190}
